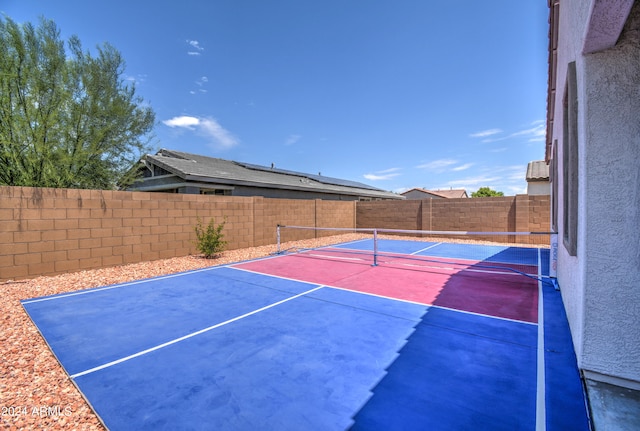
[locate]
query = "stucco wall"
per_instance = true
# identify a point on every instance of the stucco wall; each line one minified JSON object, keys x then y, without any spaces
{"x":538,"y":188}
{"x":601,"y":284}
{"x":612,"y":219}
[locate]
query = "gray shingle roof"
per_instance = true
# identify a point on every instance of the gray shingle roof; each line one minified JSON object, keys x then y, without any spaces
{"x":193,"y":167}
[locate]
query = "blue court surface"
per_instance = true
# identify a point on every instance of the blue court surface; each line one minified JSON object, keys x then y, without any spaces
{"x":231,"y":348}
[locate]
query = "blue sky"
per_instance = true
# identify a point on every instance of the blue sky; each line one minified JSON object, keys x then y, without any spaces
{"x":395,"y":94}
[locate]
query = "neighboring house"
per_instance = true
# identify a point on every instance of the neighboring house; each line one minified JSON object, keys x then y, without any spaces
{"x":538,"y":178}
{"x":593,"y":147}
{"x":177,"y":172}
{"x":418,"y":193}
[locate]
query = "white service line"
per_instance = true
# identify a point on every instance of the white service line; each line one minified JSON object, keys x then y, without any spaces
{"x":193,"y":334}
{"x":117,"y":286}
{"x":326,"y":256}
{"x":541,"y":414}
{"x":427,"y":248}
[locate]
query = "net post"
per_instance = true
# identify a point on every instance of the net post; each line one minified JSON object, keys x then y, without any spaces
{"x":375,"y":247}
{"x":278,"y":239}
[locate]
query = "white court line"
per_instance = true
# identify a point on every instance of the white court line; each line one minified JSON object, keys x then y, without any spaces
{"x":144,"y":280}
{"x":346,"y":289}
{"x":117,"y":286}
{"x":427,"y":248}
{"x":193,"y":334}
{"x":333,"y":257}
{"x":541,"y":414}
{"x":340,"y":244}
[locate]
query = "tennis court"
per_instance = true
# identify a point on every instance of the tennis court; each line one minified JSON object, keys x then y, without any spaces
{"x":417,"y":335}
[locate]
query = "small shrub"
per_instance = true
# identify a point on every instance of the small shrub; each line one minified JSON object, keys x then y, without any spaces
{"x":209,"y":239}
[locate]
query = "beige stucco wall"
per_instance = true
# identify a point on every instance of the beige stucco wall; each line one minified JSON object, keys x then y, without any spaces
{"x":601,"y":285}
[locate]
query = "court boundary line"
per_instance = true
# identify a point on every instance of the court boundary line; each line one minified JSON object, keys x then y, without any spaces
{"x":541,"y":413}
{"x":191,"y":335}
{"x":119,"y":285}
{"x":88,"y":290}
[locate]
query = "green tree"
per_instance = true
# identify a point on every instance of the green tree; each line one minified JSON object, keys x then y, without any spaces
{"x":484,"y":192}
{"x":67,"y":118}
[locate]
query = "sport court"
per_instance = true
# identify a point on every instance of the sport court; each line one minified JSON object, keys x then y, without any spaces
{"x":416,"y":336}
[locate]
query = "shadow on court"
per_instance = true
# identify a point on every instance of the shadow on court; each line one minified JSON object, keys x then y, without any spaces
{"x":462,"y":371}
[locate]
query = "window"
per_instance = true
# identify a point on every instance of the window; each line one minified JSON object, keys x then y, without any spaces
{"x":217,"y":192}
{"x":570,"y":162}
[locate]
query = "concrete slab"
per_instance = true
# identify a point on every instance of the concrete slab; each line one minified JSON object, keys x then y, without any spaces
{"x":613,"y":408}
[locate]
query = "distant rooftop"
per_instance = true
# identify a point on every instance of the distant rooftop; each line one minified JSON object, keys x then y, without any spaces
{"x":446,"y":194}
{"x":537,"y":171}
{"x":194,"y":168}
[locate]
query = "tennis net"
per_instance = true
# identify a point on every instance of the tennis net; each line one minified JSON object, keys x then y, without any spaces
{"x":508,"y":253}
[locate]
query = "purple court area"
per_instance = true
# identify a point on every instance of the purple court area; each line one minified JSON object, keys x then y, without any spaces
{"x":246,"y":347}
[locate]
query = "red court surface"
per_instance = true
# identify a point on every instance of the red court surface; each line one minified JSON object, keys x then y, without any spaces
{"x":494,"y":293}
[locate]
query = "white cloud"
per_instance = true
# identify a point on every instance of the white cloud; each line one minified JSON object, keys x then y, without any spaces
{"x":485,"y":133}
{"x":138,"y":79}
{"x":208,"y":127}
{"x":443,"y":165}
{"x":200,"y":82}
{"x":374,"y":177}
{"x":509,"y":179}
{"x":182,"y":121}
{"x":212,"y":128}
{"x":473,"y":181}
{"x":195,"y":44}
{"x":292,"y":139}
{"x":535,"y":134}
{"x":386,"y":174}
{"x":534,"y":131}
{"x":462,"y":167}
{"x":437,"y":165}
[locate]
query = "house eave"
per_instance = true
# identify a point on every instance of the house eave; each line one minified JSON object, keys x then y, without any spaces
{"x":325,"y":190}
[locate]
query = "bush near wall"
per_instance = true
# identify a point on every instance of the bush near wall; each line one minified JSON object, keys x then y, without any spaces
{"x":48,"y":231}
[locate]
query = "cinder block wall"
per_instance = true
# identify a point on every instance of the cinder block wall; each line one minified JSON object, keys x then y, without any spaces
{"x":521,"y":213}
{"x":406,"y":215}
{"x":49,"y":231}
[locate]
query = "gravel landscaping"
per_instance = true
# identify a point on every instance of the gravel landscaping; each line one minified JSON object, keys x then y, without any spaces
{"x":35,"y":391}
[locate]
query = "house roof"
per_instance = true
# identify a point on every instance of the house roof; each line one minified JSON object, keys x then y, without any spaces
{"x":204,"y":169}
{"x":537,"y":171}
{"x":448,"y":194}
